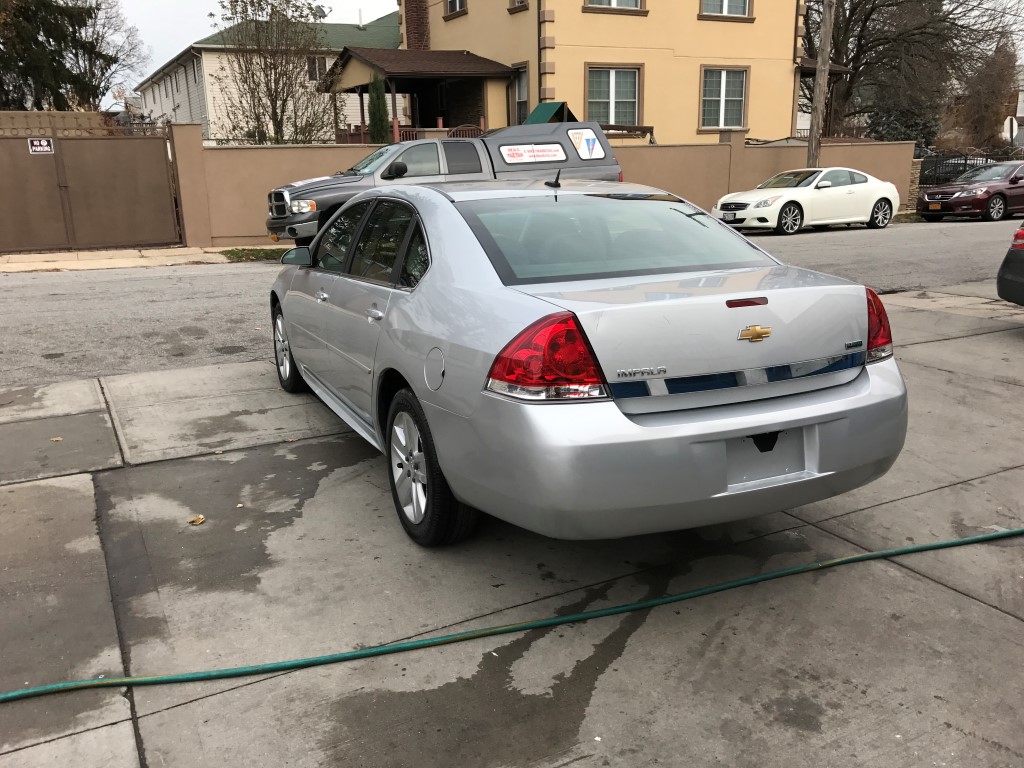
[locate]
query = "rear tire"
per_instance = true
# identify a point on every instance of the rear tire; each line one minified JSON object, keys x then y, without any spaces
{"x":881,"y":215}
{"x":931,"y":218}
{"x":996,"y":209}
{"x":288,"y":375}
{"x":791,"y":219}
{"x":426,"y":506}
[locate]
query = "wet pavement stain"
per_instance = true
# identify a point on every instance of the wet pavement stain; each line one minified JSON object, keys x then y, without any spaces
{"x":798,"y":711}
{"x":229,"y":350}
{"x":147,"y":546}
{"x":483,"y":720}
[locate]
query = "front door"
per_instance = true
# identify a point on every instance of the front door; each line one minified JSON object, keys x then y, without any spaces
{"x":359,"y":303}
{"x":835,"y":203}
{"x":307,"y":304}
{"x":422,"y":162}
{"x":1015,"y":192}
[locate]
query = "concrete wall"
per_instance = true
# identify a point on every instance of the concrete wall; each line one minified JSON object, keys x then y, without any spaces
{"x":223,"y":190}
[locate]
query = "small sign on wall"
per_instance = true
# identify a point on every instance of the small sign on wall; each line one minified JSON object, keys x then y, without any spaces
{"x":40,"y":146}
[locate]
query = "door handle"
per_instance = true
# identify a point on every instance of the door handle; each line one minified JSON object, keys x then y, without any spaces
{"x":374,"y":314}
{"x":321,"y":296}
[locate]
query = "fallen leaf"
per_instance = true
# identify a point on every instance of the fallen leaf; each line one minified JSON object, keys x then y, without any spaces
{"x":238,"y":506}
{"x":56,"y":439}
{"x":196,"y":520}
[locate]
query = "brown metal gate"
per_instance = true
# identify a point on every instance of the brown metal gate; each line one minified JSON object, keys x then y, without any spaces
{"x":89,"y":192}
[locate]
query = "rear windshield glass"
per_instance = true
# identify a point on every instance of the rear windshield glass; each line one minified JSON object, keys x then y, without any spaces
{"x":583,"y":237}
{"x":790,"y":179}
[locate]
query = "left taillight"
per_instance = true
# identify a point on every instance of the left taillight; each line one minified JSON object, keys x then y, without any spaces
{"x":879,"y":332}
{"x":550,"y":360}
{"x":1018,"y":241}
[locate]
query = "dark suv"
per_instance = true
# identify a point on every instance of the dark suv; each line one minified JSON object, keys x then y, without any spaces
{"x":991,"y":192}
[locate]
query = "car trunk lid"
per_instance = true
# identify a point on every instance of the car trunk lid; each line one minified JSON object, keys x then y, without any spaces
{"x":719,"y":337}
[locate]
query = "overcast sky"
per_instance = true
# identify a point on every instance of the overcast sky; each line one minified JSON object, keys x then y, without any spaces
{"x":167,"y":27}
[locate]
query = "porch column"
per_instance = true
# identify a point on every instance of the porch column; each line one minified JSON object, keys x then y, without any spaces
{"x":362,"y":118}
{"x":394,"y":112}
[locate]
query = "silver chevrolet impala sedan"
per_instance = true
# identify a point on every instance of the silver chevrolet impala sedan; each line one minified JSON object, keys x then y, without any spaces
{"x":584,"y":359}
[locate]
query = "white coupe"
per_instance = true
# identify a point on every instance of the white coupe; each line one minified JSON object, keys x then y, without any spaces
{"x":810,"y":197}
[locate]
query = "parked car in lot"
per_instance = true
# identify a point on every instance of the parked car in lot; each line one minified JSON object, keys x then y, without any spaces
{"x":577,"y":150}
{"x":1010,"y":279}
{"x":792,"y":200}
{"x":584,"y":359}
{"x":990,"y":192}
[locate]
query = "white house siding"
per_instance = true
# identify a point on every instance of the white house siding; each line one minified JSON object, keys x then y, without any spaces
{"x":181,"y":102}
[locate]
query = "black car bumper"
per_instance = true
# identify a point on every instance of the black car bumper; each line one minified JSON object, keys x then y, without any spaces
{"x":1010,"y":280}
{"x":292,"y":227}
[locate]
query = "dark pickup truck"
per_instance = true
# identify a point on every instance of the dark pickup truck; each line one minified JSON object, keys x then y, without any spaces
{"x":578,"y":150}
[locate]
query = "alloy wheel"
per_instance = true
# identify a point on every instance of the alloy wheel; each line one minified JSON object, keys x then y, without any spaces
{"x":881,"y":214}
{"x":281,"y":352}
{"x":791,"y":219}
{"x":409,"y":467}
{"x":996,"y":208}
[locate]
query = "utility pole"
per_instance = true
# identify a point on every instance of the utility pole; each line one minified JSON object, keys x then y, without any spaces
{"x":828,"y":14}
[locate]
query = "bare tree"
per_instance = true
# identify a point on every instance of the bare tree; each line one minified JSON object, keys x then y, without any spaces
{"x":989,"y":96}
{"x":275,"y":56}
{"x":927,"y":47}
{"x":112,"y":54}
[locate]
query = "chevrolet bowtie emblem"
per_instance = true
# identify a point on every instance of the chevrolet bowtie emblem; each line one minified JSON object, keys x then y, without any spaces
{"x":754,"y":333}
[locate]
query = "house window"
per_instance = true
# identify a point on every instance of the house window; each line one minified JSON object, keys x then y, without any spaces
{"x":724,"y":98}
{"x":725,"y":7}
{"x":316,"y":67}
{"x":615,"y":3}
{"x":454,"y":6}
{"x":612,"y":96}
{"x":522,"y":95}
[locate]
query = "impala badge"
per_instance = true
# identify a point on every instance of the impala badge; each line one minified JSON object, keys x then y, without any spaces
{"x":754,"y":333}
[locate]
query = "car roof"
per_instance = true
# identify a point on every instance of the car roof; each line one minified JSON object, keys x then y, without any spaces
{"x":460,"y":191}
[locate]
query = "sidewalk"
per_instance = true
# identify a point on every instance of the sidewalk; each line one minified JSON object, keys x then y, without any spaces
{"x":113,"y":259}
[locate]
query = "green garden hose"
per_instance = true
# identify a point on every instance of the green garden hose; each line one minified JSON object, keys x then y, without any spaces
{"x":430,"y":642}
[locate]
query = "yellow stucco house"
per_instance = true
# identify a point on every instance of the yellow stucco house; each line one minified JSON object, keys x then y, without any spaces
{"x":682,"y":70}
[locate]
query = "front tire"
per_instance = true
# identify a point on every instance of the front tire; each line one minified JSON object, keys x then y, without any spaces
{"x":426,"y":507}
{"x":791,"y":219}
{"x":881,"y":215}
{"x":996,"y":209}
{"x":288,"y":375}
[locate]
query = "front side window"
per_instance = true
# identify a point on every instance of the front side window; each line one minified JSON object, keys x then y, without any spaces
{"x":612,"y":96}
{"x":333,"y":248}
{"x":588,"y":237}
{"x":454,"y":6}
{"x":615,"y":3}
{"x":421,"y":160}
{"x":417,"y":259}
{"x":726,"y":7}
{"x":462,"y":157}
{"x":839,"y":178}
{"x":375,"y":255}
{"x":723,"y":98}
{"x":522,"y":95}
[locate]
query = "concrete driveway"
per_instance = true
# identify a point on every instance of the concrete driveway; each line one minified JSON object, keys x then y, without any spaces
{"x":914,"y":662}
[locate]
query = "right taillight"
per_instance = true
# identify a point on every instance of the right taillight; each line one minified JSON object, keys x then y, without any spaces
{"x":1018,"y":241}
{"x":879,"y":332}
{"x":550,"y":360}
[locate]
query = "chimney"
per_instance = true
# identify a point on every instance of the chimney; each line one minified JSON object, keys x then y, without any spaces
{"x":417,"y":25}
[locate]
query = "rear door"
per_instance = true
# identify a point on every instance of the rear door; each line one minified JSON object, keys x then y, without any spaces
{"x":464,"y":161}
{"x":359,"y":302}
{"x":305,"y":304}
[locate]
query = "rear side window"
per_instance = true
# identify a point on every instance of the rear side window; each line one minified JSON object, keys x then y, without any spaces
{"x":585,"y":237}
{"x":838,"y":178}
{"x":859,"y":178}
{"x":462,"y":157}
{"x":333,"y":248}
{"x":375,"y":255}
{"x":417,"y":259}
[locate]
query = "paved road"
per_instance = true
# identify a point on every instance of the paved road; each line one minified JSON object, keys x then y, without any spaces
{"x":58,"y":326}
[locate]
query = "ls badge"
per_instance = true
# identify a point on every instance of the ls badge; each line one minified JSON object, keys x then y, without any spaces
{"x":753,"y":333}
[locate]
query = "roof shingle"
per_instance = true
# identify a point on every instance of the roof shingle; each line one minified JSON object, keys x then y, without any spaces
{"x":399,"y":62}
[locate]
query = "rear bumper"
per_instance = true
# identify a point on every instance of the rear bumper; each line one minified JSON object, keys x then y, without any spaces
{"x":587,"y":471}
{"x":1010,"y":280}
{"x":292,"y":227}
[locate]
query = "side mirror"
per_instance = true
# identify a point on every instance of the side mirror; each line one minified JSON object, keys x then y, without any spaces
{"x":300,"y":257}
{"x":1015,"y":179}
{"x":824,"y":184}
{"x":396,"y":170}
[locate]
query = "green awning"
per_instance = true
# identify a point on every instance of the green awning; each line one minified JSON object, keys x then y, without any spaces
{"x":551,"y":112}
